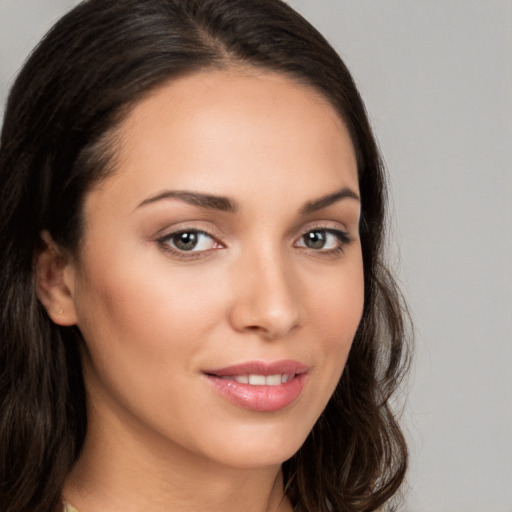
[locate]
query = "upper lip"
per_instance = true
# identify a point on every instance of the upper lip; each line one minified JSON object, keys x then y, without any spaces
{"x":283,"y":367}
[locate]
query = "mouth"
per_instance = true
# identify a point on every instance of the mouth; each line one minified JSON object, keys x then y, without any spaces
{"x":261,"y":380}
{"x":259,"y":386}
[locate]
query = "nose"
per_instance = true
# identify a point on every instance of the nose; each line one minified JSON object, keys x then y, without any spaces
{"x":267,"y":299}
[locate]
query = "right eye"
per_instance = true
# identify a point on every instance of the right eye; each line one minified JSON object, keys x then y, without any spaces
{"x":189,"y":240}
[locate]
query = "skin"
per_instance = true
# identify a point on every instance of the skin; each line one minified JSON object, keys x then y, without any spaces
{"x":160,"y":436}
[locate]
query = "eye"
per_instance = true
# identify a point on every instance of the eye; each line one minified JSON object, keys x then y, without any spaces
{"x":325,"y":240}
{"x":190,"y":240}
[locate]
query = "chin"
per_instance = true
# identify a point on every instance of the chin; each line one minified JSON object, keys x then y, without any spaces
{"x":258,"y":447}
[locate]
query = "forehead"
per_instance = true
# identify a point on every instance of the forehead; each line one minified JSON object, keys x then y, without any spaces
{"x":228,"y":131}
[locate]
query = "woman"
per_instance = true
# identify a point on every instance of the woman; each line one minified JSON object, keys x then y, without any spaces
{"x":195,"y":312}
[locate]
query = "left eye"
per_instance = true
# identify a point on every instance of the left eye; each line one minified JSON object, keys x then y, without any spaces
{"x":323,"y":239}
{"x":190,"y":241}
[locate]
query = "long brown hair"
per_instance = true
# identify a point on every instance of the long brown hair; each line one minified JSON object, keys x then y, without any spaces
{"x":75,"y":89}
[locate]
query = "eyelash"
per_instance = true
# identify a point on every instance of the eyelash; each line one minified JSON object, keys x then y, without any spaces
{"x":164,"y":243}
{"x":343,"y":238}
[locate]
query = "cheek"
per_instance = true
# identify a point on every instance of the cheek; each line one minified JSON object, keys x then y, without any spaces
{"x":145,"y":307}
{"x":336,"y":303}
{"x":144,"y":328}
{"x":335,"y":309}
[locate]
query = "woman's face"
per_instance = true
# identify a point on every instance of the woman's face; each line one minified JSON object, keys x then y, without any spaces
{"x":220,"y":281}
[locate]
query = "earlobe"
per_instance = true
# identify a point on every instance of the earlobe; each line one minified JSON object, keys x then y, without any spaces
{"x":54,"y":282}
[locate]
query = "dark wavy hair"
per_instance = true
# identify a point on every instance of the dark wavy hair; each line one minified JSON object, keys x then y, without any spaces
{"x":58,"y":140}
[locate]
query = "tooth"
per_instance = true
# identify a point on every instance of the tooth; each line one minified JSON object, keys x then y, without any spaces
{"x":273,"y":380}
{"x":286,"y":378}
{"x":243,"y":379}
{"x":257,"y":380}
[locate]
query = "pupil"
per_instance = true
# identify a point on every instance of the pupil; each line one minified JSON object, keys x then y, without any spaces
{"x":315,"y":240}
{"x":186,"y":241}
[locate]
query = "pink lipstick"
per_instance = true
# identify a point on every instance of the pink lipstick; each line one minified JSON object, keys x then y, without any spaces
{"x":260,"y":386}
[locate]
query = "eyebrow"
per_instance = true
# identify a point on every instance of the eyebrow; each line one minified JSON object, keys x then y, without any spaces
{"x":328,"y":200}
{"x":225,"y":204}
{"x":207,"y":201}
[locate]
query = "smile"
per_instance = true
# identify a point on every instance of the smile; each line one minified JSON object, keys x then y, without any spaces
{"x":259,"y":386}
{"x":262,"y":380}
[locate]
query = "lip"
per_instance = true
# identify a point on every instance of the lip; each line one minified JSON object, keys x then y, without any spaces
{"x":260,"y":398}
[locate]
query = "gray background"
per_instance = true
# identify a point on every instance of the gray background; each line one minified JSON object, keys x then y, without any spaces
{"x":436,"y":76}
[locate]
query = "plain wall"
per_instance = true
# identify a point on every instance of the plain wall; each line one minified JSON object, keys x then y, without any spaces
{"x":436,"y":76}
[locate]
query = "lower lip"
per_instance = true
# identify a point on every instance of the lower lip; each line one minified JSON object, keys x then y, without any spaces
{"x":260,"y":398}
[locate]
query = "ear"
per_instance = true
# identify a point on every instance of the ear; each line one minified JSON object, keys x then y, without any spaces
{"x":55,"y":282}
